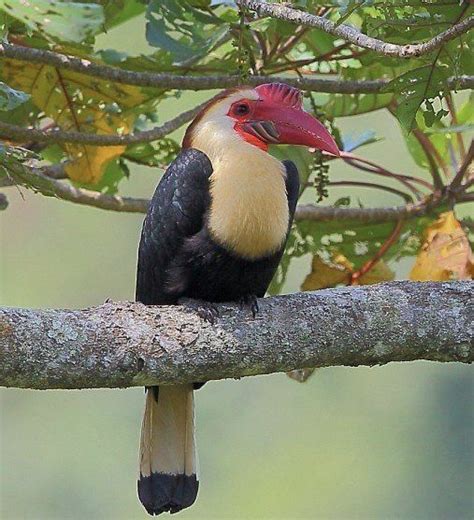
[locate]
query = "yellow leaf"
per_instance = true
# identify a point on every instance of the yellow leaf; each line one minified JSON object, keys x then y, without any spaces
{"x":80,"y":103}
{"x":380,"y":272}
{"x":445,"y":254}
{"x":325,"y":275}
{"x":338,"y":271}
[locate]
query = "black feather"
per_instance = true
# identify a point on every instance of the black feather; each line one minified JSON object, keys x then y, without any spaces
{"x":178,"y":258}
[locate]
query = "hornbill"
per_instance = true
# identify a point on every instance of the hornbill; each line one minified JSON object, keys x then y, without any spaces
{"x":215,"y":231}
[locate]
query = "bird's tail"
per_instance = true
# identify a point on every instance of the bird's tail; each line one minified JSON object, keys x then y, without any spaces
{"x":168,"y":472}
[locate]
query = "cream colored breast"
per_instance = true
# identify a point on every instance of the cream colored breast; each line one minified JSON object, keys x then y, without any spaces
{"x":249,"y":207}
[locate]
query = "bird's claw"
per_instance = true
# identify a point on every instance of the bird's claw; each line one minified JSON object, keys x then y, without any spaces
{"x":208,"y":312}
{"x":250,"y":301}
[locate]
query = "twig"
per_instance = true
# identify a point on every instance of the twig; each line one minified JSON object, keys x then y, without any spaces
{"x":353,"y":160}
{"x":454,"y":120}
{"x":431,"y":154}
{"x":348,"y":33}
{"x":405,"y":196}
{"x":355,"y":276}
{"x":172,"y":81}
{"x":456,"y":182}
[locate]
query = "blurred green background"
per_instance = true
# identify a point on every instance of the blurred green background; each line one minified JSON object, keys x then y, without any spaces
{"x":351,"y":443}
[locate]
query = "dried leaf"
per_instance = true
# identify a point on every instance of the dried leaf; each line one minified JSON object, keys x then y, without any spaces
{"x":446,"y":253}
{"x":301,"y":375}
{"x":338,"y":270}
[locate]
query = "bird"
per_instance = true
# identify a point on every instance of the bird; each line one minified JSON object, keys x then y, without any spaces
{"x":215,"y":231}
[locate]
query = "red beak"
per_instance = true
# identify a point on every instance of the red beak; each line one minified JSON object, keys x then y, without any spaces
{"x":280,"y":114}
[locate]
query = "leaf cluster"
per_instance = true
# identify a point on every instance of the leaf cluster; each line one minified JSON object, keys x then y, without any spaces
{"x":202,"y":37}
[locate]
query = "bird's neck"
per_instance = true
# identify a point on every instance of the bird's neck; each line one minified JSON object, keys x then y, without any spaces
{"x":249,"y":207}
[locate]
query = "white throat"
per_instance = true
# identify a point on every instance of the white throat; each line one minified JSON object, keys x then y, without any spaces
{"x":249,"y":206}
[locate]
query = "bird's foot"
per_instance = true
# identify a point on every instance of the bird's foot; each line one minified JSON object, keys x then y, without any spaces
{"x":208,"y":312}
{"x":251,"y":301}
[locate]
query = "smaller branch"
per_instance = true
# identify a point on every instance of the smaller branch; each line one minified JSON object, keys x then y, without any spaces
{"x":365,"y":215}
{"x":354,"y":277}
{"x":405,"y":196}
{"x":467,"y":197}
{"x":456,"y":183}
{"x":20,"y":134}
{"x":291,"y":42}
{"x":348,"y":33}
{"x":454,"y":121}
{"x":297,"y":64}
{"x":36,"y":179}
{"x":431,"y":153}
{"x":353,"y":160}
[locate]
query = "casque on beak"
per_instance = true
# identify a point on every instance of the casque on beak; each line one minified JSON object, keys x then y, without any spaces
{"x":279,"y":118}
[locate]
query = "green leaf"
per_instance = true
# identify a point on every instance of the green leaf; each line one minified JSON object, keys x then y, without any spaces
{"x":352,"y":141}
{"x":11,"y":98}
{"x":158,"y":154}
{"x":62,"y":20}
{"x":181,"y":29}
{"x":302,"y":158}
{"x":413,"y":88}
{"x":465,"y":114}
{"x":348,"y":9}
{"x":342,"y":105}
{"x":120,"y":11}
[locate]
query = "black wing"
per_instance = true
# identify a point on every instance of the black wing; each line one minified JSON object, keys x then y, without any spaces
{"x":292,"y":187}
{"x":176,"y":212}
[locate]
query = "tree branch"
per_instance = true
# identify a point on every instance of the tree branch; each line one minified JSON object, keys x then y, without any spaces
{"x":129,"y":344}
{"x":467,"y":162}
{"x":350,"y":34}
{"x":172,"y":81}
{"x":49,"y":186}
{"x":55,"y":135}
{"x":38,"y":180}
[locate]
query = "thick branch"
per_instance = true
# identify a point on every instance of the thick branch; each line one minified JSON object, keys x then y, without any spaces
{"x":350,"y":34}
{"x":129,"y":344}
{"x":173,"y":81}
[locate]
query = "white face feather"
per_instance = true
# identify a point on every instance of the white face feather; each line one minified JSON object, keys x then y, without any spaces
{"x":215,"y":131}
{"x":249,"y":208}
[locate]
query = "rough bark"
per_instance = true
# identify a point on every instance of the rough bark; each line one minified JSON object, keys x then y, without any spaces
{"x":129,"y":344}
{"x":351,"y":34}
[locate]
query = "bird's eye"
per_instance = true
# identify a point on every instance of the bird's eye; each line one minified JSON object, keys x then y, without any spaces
{"x":241,"y":109}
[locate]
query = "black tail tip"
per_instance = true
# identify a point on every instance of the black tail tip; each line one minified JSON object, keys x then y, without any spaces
{"x":161,"y":492}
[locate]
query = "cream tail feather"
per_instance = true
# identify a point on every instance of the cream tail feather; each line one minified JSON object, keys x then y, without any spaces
{"x":168,"y":472}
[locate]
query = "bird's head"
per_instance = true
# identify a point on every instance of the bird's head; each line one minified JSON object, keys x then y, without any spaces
{"x":268,"y":114}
